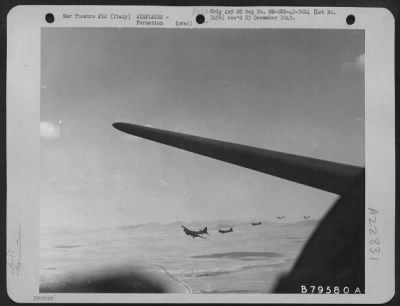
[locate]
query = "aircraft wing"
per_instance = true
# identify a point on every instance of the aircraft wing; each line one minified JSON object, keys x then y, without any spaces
{"x":190,"y":232}
{"x":326,"y":175}
{"x":186,"y":230}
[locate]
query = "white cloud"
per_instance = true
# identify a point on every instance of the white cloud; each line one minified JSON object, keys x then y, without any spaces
{"x":357,"y":63}
{"x":49,"y":130}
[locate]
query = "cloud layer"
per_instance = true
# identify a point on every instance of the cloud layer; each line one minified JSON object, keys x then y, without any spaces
{"x":49,"y":130}
{"x":357,"y":63}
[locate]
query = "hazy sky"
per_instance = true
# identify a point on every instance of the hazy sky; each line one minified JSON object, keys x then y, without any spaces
{"x":295,"y":91}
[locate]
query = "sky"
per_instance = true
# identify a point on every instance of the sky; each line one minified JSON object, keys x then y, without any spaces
{"x":295,"y":91}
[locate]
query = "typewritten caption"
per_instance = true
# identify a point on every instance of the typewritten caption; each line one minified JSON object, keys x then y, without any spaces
{"x":211,"y":15}
{"x":260,"y":14}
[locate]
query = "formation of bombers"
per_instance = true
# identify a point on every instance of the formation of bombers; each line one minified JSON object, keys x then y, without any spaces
{"x":200,"y":232}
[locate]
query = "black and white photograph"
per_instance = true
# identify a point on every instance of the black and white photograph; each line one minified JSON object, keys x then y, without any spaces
{"x":121,"y":108}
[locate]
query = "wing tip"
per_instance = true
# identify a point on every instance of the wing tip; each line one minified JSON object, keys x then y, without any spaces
{"x":118,"y":125}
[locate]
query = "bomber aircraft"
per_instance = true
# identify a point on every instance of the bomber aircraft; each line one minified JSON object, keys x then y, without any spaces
{"x":195,"y":234}
{"x":256,"y":223}
{"x":222,"y":231}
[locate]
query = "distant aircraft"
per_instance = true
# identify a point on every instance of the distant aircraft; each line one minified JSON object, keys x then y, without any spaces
{"x":306,"y":217}
{"x":280,"y":217}
{"x":335,"y":253}
{"x":255,"y":223}
{"x":195,"y":233}
{"x":225,"y":231}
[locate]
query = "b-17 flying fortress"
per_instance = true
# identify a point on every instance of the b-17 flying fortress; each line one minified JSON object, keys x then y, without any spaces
{"x":222,"y":231}
{"x":195,"y":234}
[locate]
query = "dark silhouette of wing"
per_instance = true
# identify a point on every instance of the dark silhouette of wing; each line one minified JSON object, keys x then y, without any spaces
{"x":329,"y":176}
{"x":187,"y":231}
{"x":334,"y":255}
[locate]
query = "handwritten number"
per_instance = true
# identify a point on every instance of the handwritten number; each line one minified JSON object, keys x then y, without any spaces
{"x":375,"y":250}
